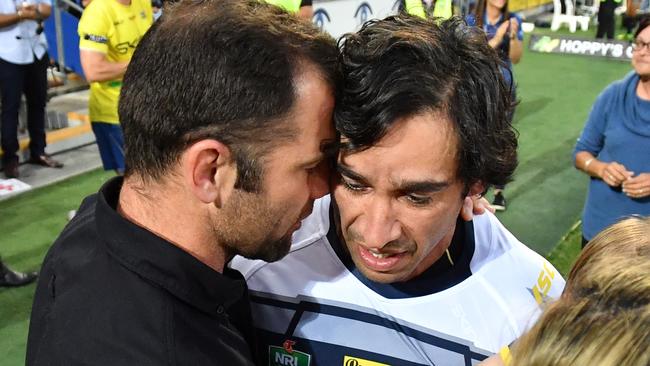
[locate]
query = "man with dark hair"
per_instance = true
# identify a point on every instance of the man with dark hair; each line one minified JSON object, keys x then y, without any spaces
{"x":226,"y":108}
{"x":385,"y":271}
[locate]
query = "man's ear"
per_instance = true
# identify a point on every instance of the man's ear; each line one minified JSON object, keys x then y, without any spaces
{"x":474,"y":203}
{"x":209,"y":171}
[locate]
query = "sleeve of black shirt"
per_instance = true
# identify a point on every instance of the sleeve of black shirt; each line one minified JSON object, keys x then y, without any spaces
{"x":306,"y":3}
{"x":43,"y":301}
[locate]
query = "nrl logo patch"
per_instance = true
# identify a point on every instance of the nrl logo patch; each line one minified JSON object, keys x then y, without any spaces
{"x":287,"y":356}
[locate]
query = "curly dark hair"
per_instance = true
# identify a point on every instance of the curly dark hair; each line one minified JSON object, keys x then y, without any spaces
{"x":218,"y":69}
{"x":403,"y":66}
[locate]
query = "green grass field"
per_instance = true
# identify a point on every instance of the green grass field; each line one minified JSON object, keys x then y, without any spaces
{"x":545,"y":200}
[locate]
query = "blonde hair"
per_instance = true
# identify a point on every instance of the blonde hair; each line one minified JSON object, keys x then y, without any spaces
{"x":603,"y":316}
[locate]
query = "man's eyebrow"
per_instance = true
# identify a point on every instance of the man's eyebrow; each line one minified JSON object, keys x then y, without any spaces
{"x":422,"y":186}
{"x":349,"y":173}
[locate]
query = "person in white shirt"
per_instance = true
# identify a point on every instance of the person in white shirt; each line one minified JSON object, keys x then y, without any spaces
{"x":23,"y":69}
{"x":384,"y":271}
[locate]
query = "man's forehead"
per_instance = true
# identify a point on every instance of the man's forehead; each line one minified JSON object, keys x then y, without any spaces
{"x":420,"y":148}
{"x":430,"y":131}
{"x":437,"y":120}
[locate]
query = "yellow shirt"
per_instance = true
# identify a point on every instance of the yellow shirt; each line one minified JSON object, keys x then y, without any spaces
{"x":114,"y":29}
{"x":415,"y":7}
{"x":292,"y":6}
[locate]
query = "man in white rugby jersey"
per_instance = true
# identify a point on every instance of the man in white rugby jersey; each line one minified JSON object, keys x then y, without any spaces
{"x":384,"y":271}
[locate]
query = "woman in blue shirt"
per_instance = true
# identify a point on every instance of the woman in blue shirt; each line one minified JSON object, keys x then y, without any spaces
{"x":614,"y":147}
{"x":504,"y":34}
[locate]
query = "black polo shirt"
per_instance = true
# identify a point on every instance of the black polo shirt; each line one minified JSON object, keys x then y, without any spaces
{"x":113,"y":293}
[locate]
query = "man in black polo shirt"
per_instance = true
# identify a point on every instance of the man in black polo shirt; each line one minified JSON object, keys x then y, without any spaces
{"x":226,"y":109}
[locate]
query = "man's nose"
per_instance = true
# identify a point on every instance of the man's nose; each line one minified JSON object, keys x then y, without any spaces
{"x":380,"y":225}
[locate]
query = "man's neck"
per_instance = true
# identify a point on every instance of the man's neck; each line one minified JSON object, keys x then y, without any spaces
{"x":165,"y":211}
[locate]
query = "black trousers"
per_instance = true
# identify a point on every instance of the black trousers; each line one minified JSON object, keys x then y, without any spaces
{"x":30,"y":79}
{"x":606,"y":21}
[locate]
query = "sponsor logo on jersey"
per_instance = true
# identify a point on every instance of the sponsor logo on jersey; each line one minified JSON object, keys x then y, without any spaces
{"x":356,"y":361}
{"x":124,"y":47}
{"x":543,"y":285}
{"x":143,"y":15}
{"x":287,"y":356}
{"x":95,"y":38}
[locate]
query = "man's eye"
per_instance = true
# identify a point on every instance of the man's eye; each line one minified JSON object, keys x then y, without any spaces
{"x":418,"y":200}
{"x":352,"y":186}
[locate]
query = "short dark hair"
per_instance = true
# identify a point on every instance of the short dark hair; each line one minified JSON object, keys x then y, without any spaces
{"x":218,"y":69}
{"x":644,"y":22}
{"x":404,"y":66}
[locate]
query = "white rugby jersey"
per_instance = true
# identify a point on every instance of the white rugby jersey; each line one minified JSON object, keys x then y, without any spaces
{"x":310,"y":309}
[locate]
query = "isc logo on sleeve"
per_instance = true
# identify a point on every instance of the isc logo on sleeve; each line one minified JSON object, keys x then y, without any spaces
{"x":543,"y":285}
{"x":355,"y":361}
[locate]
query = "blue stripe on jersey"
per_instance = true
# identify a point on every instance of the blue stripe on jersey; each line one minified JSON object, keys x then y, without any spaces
{"x":322,"y":354}
{"x":304,"y":306}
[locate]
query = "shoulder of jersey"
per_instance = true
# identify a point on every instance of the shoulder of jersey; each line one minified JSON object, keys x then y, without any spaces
{"x":497,"y":250}
{"x":312,"y":228}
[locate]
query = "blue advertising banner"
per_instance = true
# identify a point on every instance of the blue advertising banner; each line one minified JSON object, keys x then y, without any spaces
{"x":70,"y":40}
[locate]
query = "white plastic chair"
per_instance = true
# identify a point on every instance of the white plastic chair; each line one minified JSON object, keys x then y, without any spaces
{"x":568,"y":17}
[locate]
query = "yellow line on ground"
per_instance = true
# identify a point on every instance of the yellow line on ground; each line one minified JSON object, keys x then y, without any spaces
{"x":62,"y":134}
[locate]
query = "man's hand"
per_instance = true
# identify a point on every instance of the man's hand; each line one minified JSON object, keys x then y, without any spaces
{"x":637,"y":187}
{"x":614,"y":174}
{"x":474,"y":205}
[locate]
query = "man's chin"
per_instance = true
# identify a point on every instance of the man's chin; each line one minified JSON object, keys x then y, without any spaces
{"x":379,"y":277}
{"x":271,"y":251}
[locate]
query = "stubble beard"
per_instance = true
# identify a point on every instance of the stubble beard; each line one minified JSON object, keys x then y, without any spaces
{"x":248,"y":227}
